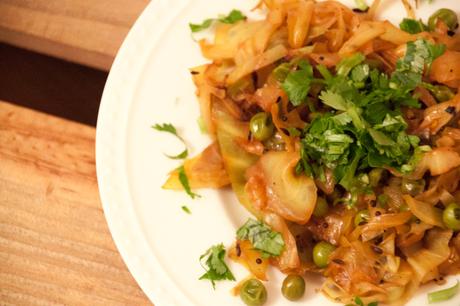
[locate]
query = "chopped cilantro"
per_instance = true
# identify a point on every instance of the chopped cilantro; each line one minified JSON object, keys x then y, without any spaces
{"x":359,"y":302}
{"x":186,"y":210}
{"x":166,"y":127}
{"x":345,"y":66}
{"x":270,"y":243}
{"x":169,"y":128}
{"x":412,"y":26}
{"x":233,"y":17}
{"x":365,"y":128}
{"x":216,"y":268}
{"x":419,"y":57}
{"x":360,"y":73}
{"x":198,"y":27}
{"x":297,"y":83}
{"x":184,"y":182}
{"x":334,"y":100}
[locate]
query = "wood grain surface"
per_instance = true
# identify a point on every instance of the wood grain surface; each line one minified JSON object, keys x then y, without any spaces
{"x":55,"y":246}
{"x":88,"y":32}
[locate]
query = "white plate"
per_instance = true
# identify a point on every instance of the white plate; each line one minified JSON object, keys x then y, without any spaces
{"x":150,"y":83}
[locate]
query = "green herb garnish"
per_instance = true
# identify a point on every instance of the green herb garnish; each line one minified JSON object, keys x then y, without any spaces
{"x":364,"y":128}
{"x":297,"y":83}
{"x":213,"y":261}
{"x":359,"y":302}
{"x":262,"y":238}
{"x":198,"y":27}
{"x":186,"y":210}
{"x":443,"y":295}
{"x":345,"y":66}
{"x":419,"y":57}
{"x":412,"y":26}
{"x":169,"y":128}
{"x":185,"y":183}
{"x":233,"y":17}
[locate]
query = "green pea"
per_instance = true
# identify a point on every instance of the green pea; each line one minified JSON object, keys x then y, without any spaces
{"x":451,"y":216}
{"x":321,"y":253}
{"x":412,"y":187}
{"x":293,"y":287}
{"x":253,"y":293}
{"x":442,"y":93}
{"x":261,"y":126}
{"x":321,"y":208}
{"x":362,"y":217}
{"x":448,"y":16}
{"x":281,"y":72}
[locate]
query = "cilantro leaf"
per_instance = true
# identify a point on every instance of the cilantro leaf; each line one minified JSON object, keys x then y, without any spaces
{"x":186,"y":210}
{"x":169,"y":128}
{"x":262,"y":238}
{"x":334,"y":100}
{"x":380,"y":138}
{"x":216,"y":268}
{"x":419,"y":57}
{"x":198,"y":27}
{"x":346,"y":65}
{"x":349,"y":174}
{"x":185,"y":183}
{"x":297,"y":83}
{"x":232,"y":17}
{"x":358,"y":301}
{"x":360,"y":73}
{"x":412,"y":26}
{"x":166,"y":127}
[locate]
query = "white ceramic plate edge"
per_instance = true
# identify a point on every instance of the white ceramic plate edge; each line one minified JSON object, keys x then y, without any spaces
{"x":128,"y":237}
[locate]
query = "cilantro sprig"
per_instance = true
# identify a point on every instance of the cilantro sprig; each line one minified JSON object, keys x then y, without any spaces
{"x":412,"y":26}
{"x":233,"y":17}
{"x":297,"y":83}
{"x":213,"y":261}
{"x":185,"y":183}
{"x":262,"y":238}
{"x":169,"y":128}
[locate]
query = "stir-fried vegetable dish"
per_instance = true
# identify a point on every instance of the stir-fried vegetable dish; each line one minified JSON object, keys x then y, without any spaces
{"x":340,"y":134}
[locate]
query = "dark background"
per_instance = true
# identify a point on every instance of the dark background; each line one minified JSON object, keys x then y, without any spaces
{"x":50,"y":85}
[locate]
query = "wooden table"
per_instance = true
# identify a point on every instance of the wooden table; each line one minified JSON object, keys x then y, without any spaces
{"x":88,"y":32}
{"x":55,"y":246}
